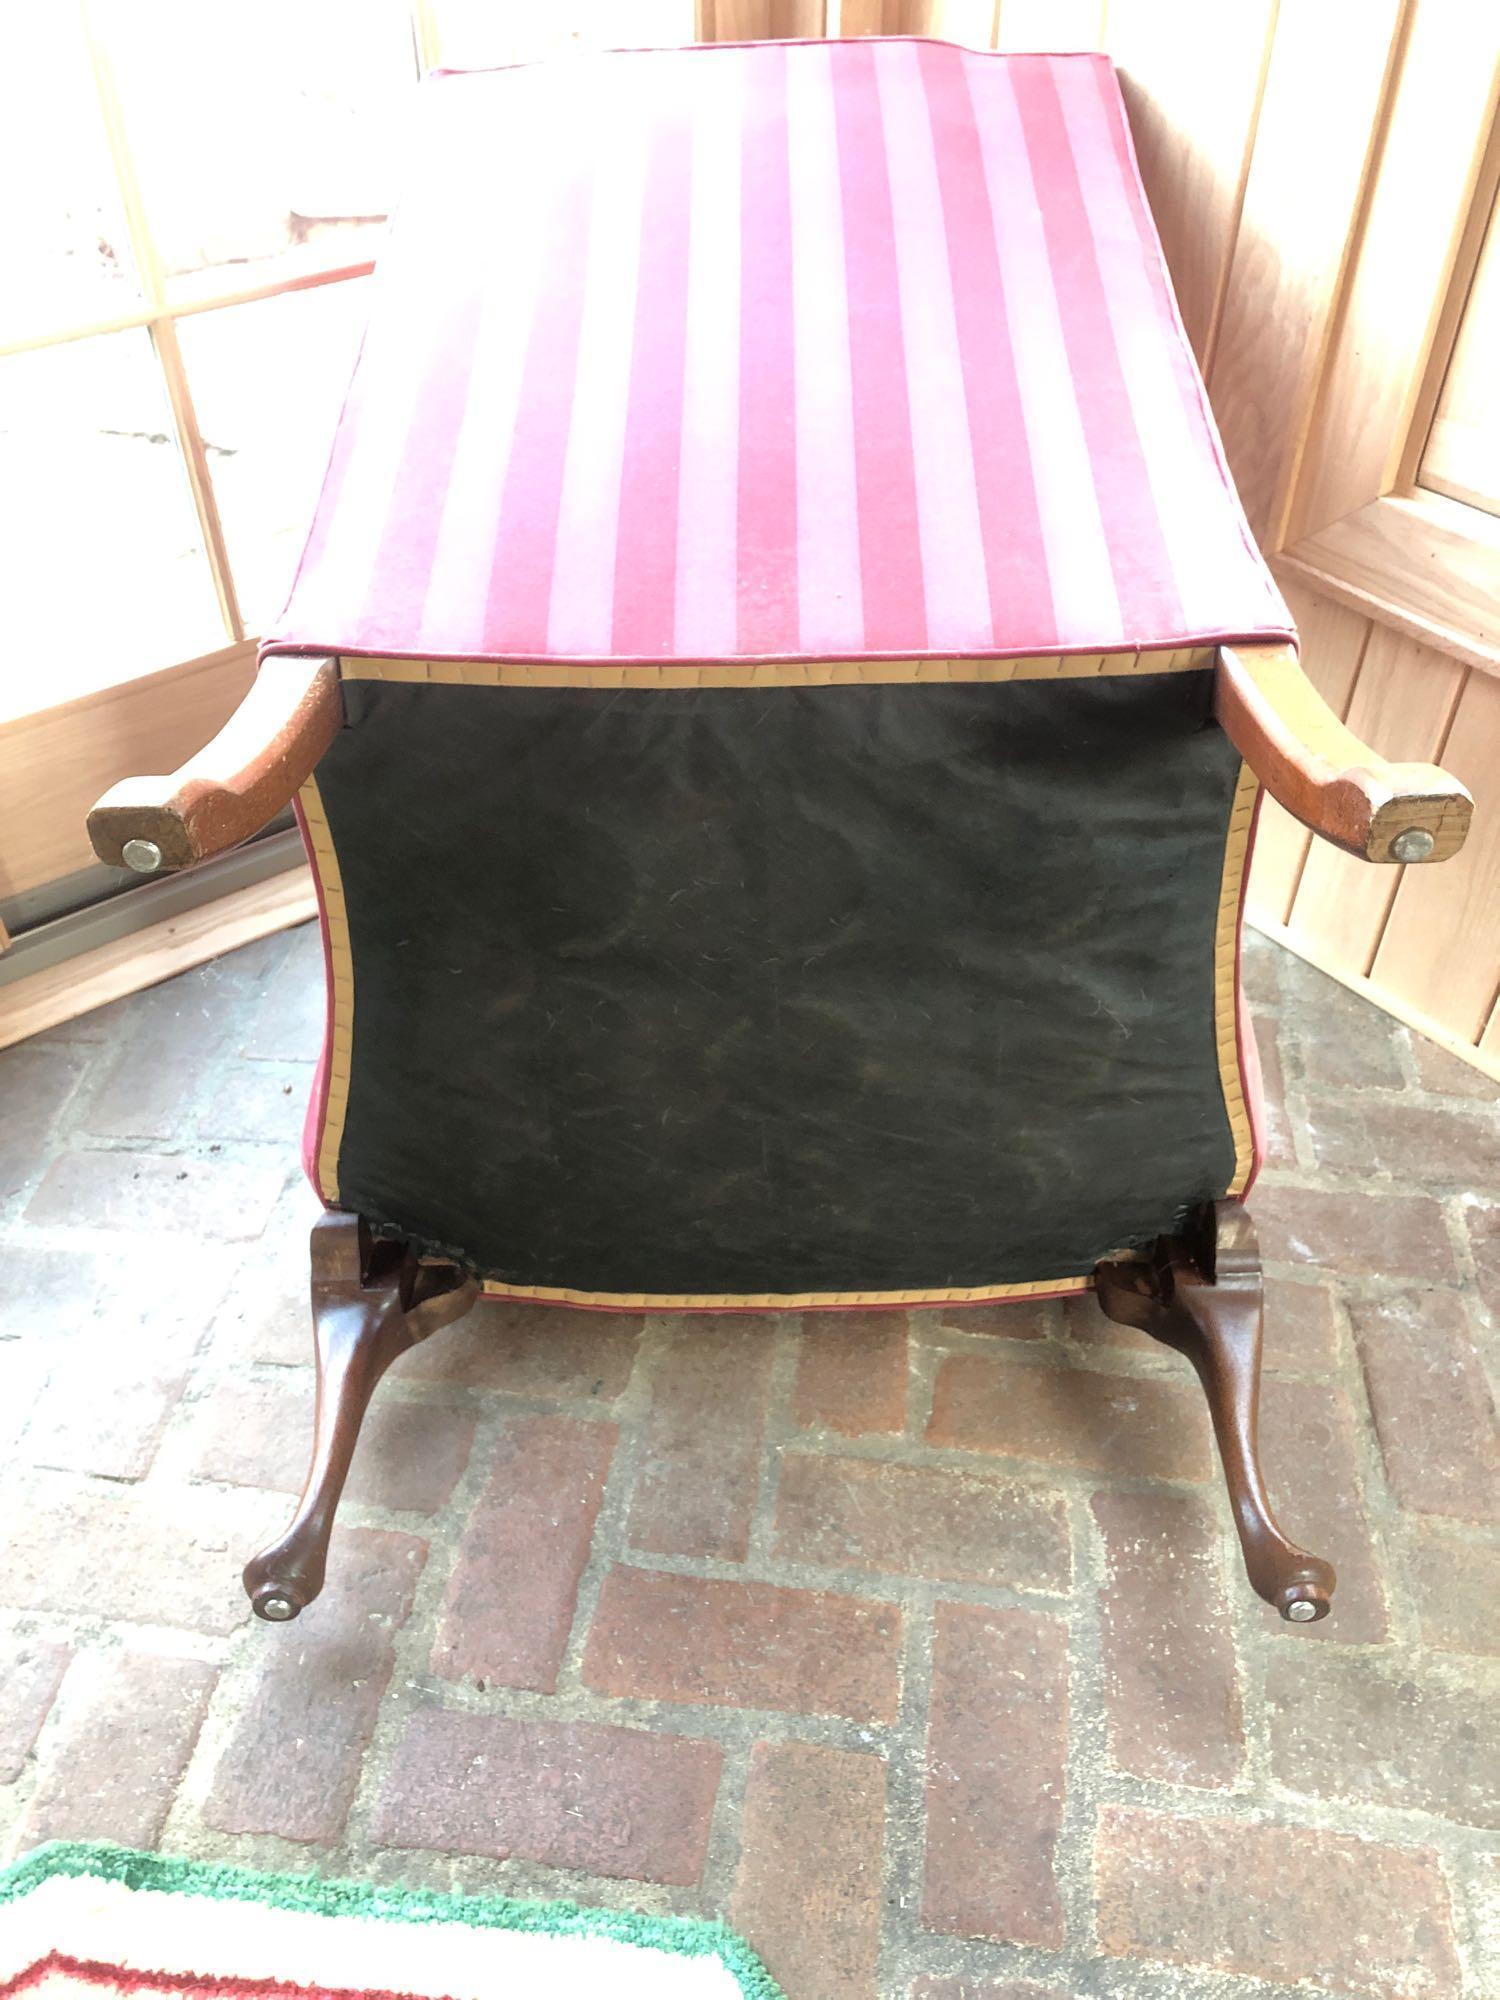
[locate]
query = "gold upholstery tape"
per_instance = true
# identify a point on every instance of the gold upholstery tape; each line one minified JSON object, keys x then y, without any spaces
{"x":779,"y":1301}
{"x":1226,"y":936}
{"x":340,"y":1049}
{"x":774,"y":673}
{"x":1226,"y":975}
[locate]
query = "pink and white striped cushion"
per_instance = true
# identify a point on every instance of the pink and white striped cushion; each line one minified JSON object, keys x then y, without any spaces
{"x":822,"y":350}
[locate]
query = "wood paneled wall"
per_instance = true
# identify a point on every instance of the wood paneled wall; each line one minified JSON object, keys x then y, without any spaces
{"x":1262,"y":127}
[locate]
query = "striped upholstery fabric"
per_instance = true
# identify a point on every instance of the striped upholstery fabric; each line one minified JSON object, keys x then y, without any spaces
{"x":798,"y":350}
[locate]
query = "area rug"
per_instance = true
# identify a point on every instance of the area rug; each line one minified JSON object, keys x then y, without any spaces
{"x":104,"y":1922}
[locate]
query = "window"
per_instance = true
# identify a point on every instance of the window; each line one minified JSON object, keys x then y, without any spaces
{"x":194,"y":195}
{"x":1462,"y":455}
{"x":169,"y":162}
{"x":1366,"y":521}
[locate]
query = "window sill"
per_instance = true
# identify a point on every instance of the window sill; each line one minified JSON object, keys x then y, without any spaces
{"x":1427,"y":565}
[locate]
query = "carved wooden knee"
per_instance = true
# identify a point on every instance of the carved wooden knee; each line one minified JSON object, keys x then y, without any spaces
{"x":372,"y":1299}
{"x":1205,"y":1296}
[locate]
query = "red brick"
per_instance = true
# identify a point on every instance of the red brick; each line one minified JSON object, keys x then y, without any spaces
{"x":35,"y":1083}
{"x":300,"y":958}
{"x":1280,"y":1903}
{"x":700,"y":1467}
{"x":1171,"y":1690}
{"x":1301,"y":1332}
{"x":1085,"y":1323}
{"x":1301,"y":1327}
{"x":292,"y":1765}
{"x":509,"y":1604}
{"x":747,"y":1645}
{"x":850,"y":1513}
{"x":265,"y":1101}
{"x":266,"y":1316}
{"x":118,"y":1374}
{"x":1281,"y":1150}
{"x":109,"y":1423}
{"x":228,"y":1199}
{"x":809,"y":1891}
{"x":122,"y":1745}
{"x":1376,"y":1733}
{"x":237,"y":977}
{"x":534,"y":1351}
{"x":1456,"y":1586}
{"x":162,"y":1051}
{"x":258,"y":967}
{"x":1432,"y":1145}
{"x":1483,"y":1889}
{"x":287,"y":1026}
{"x":1431,"y":1404}
{"x":1482,"y":1220}
{"x":1260,"y":972}
{"x":1342,"y":1039}
{"x":569,"y":1794}
{"x":82,"y":1031}
{"x":221,"y":984}
{"x":852,"y":1372}
{"x":154,"y":1555}
{"x":23,"y":1375}
{"x":269,"y":1320}
{"x":996,"y":1760}
{"x":931,"y":1987}
{"x":259,"y":1433}
{"x":1071,"y":1416}
{"x":1439,"y":1070}
{"x":49,"y":1291}
{"x":1350,"y":1234}
{"x":1311,"y":1463}
{"x":30,"y":1671}
{"x":1007,"y":1319}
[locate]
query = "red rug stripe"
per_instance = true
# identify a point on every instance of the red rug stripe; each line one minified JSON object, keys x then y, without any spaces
{"x":131,"y":1980}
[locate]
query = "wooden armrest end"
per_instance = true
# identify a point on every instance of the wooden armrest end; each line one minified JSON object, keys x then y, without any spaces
{"x":1323,"y":774}
{"x":233,"y":786}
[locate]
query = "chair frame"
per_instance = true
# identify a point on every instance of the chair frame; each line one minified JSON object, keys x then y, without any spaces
{"x":1200,"y":1291}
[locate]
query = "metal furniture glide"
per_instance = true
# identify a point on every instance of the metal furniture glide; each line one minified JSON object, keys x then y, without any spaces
{"x":777,"y":692}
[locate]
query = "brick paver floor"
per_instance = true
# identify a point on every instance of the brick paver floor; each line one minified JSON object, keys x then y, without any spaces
{"x":918,"y":1648}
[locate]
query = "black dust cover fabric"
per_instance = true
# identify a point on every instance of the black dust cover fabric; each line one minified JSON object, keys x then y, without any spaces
{"x":729,"y":991}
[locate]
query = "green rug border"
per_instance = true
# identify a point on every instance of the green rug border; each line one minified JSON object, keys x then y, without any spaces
{"x":688,"y":1937}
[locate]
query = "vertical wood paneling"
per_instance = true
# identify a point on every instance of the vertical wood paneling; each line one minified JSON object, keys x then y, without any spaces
{"x":56,"y":761}
{"x":759,"y":20}
{"x":971,"y":22}
{"x":867,"y":17}
{"x":1320,"y":109}
{"x":1281,"y":844}
{"x":1462,"y":454}
{"x":1261,"y":128}
{"x":1439,"y":953}
{"x":1402,"y":705}
{"x":1054,"y":25}
{"x":479,"y":34}
{"x":1192,"y":78}
{"x":1428,"y":164}
{"x":1490,"y":1045}
{"x":1333,"y":644}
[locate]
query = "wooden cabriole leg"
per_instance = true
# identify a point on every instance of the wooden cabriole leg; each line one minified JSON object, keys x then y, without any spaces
{"x":372,"y":1299}
{"x":1204,"y":1295}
